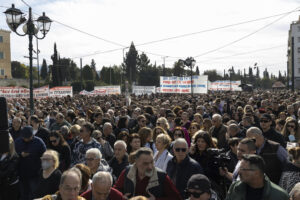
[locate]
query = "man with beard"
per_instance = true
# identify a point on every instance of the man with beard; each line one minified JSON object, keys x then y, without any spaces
{"x":142,"y":178}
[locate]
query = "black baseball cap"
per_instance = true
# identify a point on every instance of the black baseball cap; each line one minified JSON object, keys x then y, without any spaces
{"x":27,"y":132}
{"x":199,"y":182}
{"x":266,"y":116}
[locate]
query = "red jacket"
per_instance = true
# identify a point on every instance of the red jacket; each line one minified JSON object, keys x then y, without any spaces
{"x":113,"y":195}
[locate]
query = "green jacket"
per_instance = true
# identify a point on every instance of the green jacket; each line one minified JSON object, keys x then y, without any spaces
{"x":237,"y":191}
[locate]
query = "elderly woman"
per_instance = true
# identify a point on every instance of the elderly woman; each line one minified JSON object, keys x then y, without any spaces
{"x":49,"y":177}
{"x":107,"y":150}
{"x":162,"y":156}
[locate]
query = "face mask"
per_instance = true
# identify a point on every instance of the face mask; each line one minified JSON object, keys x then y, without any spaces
{"x":46,"y":165}
{"x":292,"y":138}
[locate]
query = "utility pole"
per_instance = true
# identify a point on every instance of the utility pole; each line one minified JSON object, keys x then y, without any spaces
{"x":293,"y":65}
{"x":81,"y":86}
{"x":164,"y":67}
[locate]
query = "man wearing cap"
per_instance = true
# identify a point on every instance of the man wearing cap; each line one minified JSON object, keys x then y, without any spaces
{"x":199,"y":188}
{"x":269,"y":132}
{"x":30,"y":149}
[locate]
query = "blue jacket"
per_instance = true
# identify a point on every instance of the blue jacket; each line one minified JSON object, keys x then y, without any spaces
{"x":181,"y":173}
{"x":30,"y":165}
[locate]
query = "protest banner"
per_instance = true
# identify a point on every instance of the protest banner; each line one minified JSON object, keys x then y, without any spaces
{"x":224,"y":85}
{"x":174,"y":84}
{"x":42,"y":92}
{"x":107,"y":90}
{"x":61,"y":91}
{"x":141,"y":90}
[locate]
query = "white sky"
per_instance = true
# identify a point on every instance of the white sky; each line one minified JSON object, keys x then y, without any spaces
{"x":123,"y":21}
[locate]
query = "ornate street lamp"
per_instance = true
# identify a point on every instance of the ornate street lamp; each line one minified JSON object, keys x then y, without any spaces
{"x":190,"y":62}
{"x":14,"y":18}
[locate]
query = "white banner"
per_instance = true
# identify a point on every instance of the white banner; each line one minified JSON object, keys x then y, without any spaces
{"x":107,"y":90}
{"x":174,"y":84}
{"x":61,"y":91}
{"x":141,"y":90}
{"x":224,"y":85}
{"x":42,"y":92}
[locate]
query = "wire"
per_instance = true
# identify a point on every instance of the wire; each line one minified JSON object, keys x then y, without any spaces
{"x":246,"y":36}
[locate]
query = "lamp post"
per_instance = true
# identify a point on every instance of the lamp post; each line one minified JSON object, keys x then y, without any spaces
{"x":14,"y":18}
{"x":230,"y":73}
{"x":190,"y":62}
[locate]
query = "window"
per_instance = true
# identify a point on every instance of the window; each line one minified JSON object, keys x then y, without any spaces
{"x":1,"y":38}
{"x":1,"y":55}
{"x":2,"y":72}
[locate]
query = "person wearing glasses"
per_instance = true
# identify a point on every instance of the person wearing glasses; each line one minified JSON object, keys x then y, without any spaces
{"x":106,"y":149}
{"x":50,"y":175}
{"x":254,"y":184}
{"x":291,"y":131}
{"x":141,"y":122}
{"x":58,"y":143}
{"x":199,"y":188}
{"x":182,"y":166}
{"x":193,"y":129}
{"x":143,"y":178}
{"x":269,"y":132}
{"x":274,"y":155}
{"x":69,"y":186}
{"x":93,"y":159}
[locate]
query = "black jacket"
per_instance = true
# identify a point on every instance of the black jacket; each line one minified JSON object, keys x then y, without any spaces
{"x":9,"y":170}
{"x":181,"y":173}
{"x":273,"y":135}
{"x":118,"y":168}
{"x":43,"y":133}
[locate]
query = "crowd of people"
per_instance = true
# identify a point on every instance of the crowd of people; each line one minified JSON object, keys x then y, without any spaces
{"x":221,"y":145}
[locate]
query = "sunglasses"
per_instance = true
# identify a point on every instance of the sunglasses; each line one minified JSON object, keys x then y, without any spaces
{"x":178,"y":135}
{"x":180,"y":149}
{"x":195,"y":194}
{"x":290,"y":126}
{"x":264,"y":121}
{"x":53,"y":141}
{"x":193,"y":127}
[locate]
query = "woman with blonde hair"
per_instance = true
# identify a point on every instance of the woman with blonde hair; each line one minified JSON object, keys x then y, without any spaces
{"x":50,"y":175}
{"x":9,"y":179}
{"x":162,"y":156}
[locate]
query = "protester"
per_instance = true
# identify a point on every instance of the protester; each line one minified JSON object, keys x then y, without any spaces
{"x":254,"y":184}
{"x":102,"y":188}
{"x":120,"y":160}
{"x":144,"y":179}
{"x":93,"y":159}
{"x":182,"y":167}
{"x":50,"y":175}
{"x":218,"y":130}
{"x":15,"y":129}
{"x":295,"y":193}
{"x":162,"y":155}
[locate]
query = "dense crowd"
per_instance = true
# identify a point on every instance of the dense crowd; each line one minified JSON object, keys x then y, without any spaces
{"x":221,"y":145}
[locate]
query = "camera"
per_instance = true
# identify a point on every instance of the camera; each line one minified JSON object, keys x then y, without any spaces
{"x":219,"y":157}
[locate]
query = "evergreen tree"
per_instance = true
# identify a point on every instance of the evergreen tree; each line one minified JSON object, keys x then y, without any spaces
{"x":18,"y":70}
{"x":44,"y":70}
{"x":87,"y":73}
{"x":178,"y":68}
{"x":197,"y":71}
{"x":55,"y":70}
{"x":130,"y":65}
{"x":143,"y":62}
{"x":93,"y":66}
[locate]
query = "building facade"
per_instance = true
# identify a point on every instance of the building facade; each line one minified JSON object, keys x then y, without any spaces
{"x":293,"y":54}
{"x":5,"y":57}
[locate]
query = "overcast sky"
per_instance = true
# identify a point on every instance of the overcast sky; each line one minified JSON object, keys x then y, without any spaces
{"x":140,"y":21}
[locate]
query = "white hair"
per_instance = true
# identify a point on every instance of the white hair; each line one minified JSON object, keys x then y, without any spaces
{"x":106,"y":124}
{"x":180,"y":141}
{"x":295,"y":190}
{"x":103,"y":178}
{"x":96,"y":152}
{"x":122,"y":143}
{"x":255,"y":131}
{"x":217,"y":116}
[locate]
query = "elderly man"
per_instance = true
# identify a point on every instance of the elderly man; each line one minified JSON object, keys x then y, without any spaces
{"x":101,"y":188}
{"x":93,"y":159}
{"x":108,"y":134}
{"x":274,"y":155}
{"x":15,"y":130}
{"x":269,"y":132}
{"x":233,"y":130}
{"x":60,"y":121}
{"x":69,"y":186}
{"x":182,"y":167}
{"x":218,"y":130}
{"x":120,"y":160}
{"x":254,"y":184}
{"x":86,"y":143}
{"x":142,"y":178}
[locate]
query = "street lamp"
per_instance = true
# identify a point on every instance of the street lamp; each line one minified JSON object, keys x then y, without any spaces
{"x":14,"y":18}
{"x":230,"y":73}
{"x":190,"y":62}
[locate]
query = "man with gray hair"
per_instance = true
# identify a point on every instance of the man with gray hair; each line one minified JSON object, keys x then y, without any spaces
{"x":182,"y":167}
{"x":274,"y":155}
{"x":143,"y":178}
{"x":108,"y":134}
{"x":120,"y":160}
{"x":102,"y":188}
{"x":218,"y":130}
{"x":93,"y":159}
{"x":295,"y":192}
